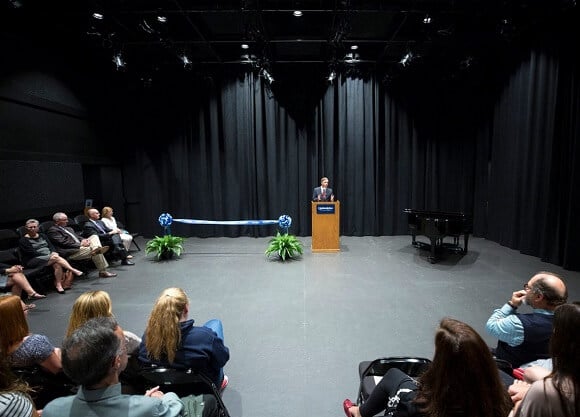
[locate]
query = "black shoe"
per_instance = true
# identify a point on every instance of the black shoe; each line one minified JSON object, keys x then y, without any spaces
{"x":126,"y":262}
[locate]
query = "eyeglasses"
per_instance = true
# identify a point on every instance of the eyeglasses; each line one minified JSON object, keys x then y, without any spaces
{"x":32,"y":227}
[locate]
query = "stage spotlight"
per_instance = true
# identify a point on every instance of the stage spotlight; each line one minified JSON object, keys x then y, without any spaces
{"x":427,"y":19}
{"x":297,"y":13}
{"x":331,"y":77}
{"x":98,"y":16}
{"x":162,"y":19}
{"x":266,"y":74}
{"x":186,"y":61}
{"x":119,"y":61}
{"x":407,"y":59}
{"x":352,"y":58}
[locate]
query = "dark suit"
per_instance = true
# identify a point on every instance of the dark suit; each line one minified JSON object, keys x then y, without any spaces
{"x":63,"y":242}
{"x":318,"y":193}
{"x":114,"y":241}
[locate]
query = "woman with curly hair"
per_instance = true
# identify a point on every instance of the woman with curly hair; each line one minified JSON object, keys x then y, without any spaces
{"x":461,"y":381}
{"x":172,"y":340}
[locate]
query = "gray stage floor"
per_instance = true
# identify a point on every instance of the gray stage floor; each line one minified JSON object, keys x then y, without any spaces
{"x":297,"y":330}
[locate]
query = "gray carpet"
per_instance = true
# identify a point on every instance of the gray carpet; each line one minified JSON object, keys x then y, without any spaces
{"x":297,"y":330}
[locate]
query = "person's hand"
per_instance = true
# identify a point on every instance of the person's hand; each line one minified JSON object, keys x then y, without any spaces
{"x":332,"y":197}
{"x":518,"y":390}
{"x":517,"y":298}
{"x":14,"y":269}
{"x":53,"y":255}
{"x":154,"y":392}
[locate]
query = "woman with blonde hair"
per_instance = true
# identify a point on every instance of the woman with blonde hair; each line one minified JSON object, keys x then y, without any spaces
{"x":93,"y":304}
{"x":111,"y":223}
{"x":17,"y":345}
{"x":171,"y":339}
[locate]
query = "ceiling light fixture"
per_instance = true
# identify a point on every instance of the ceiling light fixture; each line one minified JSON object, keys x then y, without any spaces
{"x":351,"y":58}
{"x":119,"y":61}
{"x":331,"y":77}
{"x":98,"y":16}
{"x":297,"y":13}
{"x":427,"y":19}
{"x":186,"y":61}
{"x":162,"y":19}
{"x":266,"y":74}
{"x":245,"y":46}
{"x":407,"y":59}
{"x":354,"y":47}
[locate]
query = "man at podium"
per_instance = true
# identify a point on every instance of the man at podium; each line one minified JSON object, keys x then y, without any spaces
{"x":322,"y":193}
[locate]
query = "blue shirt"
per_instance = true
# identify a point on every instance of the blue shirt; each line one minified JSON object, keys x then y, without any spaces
{"x":111,"y":403}
{"x":506,"y":326}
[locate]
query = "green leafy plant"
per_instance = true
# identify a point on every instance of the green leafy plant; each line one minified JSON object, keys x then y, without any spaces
{"x":165,"y":246}
{"x":285,"y":245}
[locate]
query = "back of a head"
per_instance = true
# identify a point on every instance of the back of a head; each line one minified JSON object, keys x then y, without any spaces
{"x":88,"y":353}
{"x":447,"y":387}
{"x":89,"y":305}
{"x":552,"y":287}
{"x":14,"y":326}
{"x":565,"y":342}
{"x":163,"y":333}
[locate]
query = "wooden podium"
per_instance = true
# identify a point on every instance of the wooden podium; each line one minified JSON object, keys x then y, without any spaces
{"x":325,"y":226}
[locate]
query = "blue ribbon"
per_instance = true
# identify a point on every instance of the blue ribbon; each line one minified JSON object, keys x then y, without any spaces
{"x":284,"y":222}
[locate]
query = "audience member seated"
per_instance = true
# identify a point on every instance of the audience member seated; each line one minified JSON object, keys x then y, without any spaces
{"x":72,"y":246}
{"x":461,"y":381}
{"x":13,"y":276}
{"x":171,"y":339}
{"x":109,"y":237}
{"x":93,"y":304}
{"x":558,"y":393}
{"x":37,"y":251}
{"x":18,"y":345}
{"x":15,"y":400}
{"x":111,"y":223}
{"x":524,"y":338}
{"x":94,"y":356}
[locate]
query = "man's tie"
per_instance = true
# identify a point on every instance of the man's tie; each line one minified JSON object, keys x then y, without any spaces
{"x":71,"y":234}
{"x":323,"y":193}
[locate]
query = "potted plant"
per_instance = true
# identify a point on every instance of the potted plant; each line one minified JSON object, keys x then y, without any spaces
{"x":165,"y":246}
{"x":283,"y":244}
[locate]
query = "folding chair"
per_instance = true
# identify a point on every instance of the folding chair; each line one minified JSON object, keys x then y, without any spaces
{"x":183,"y":383}
{"x":47,"y":386}
{"x":371,"y":372}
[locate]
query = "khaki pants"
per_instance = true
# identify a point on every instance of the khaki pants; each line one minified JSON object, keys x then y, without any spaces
{"x":84,"y":252}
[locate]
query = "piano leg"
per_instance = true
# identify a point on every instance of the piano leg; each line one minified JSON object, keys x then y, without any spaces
{"x":465,"y":240}
{"x":433,"y":258}
{"x":414,"y":240}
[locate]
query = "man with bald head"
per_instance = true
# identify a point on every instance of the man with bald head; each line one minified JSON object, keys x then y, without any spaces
{"x":524,"y":338}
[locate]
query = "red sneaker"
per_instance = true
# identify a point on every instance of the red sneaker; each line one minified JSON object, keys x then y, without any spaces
{"x":346,"y":404}
{"x":225,"y":383}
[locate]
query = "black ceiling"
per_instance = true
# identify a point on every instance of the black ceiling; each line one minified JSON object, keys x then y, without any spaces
{"x":211,"y":32}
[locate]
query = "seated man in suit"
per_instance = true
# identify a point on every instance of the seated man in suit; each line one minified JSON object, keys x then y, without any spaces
{"x":71,"y":246}
{"x":524,"y":338}
{"x":322,"y":193}
{"x":96,"y":227}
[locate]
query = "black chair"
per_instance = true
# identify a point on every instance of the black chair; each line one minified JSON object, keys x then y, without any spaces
{"x":183,"y":383}
{"x":44,"y":226}
{"x":46,"y":385}
{"x":8,"y":239}
{"x":80,"y":219}
{"x":370,"y":372}
{"x":134,"y":242}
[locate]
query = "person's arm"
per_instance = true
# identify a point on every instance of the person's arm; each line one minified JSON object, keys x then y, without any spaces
{"x":53,"y":362}
{"x":506,"y":326}
{"x":26,"y":248}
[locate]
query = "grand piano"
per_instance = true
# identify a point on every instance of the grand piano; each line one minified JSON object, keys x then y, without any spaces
{"x":436,"y":225}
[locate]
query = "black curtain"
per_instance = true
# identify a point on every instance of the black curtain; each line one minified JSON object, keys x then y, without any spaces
{"x":239,"y":149}
{"x":235,"y":148}
{"x":532,"y":165}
